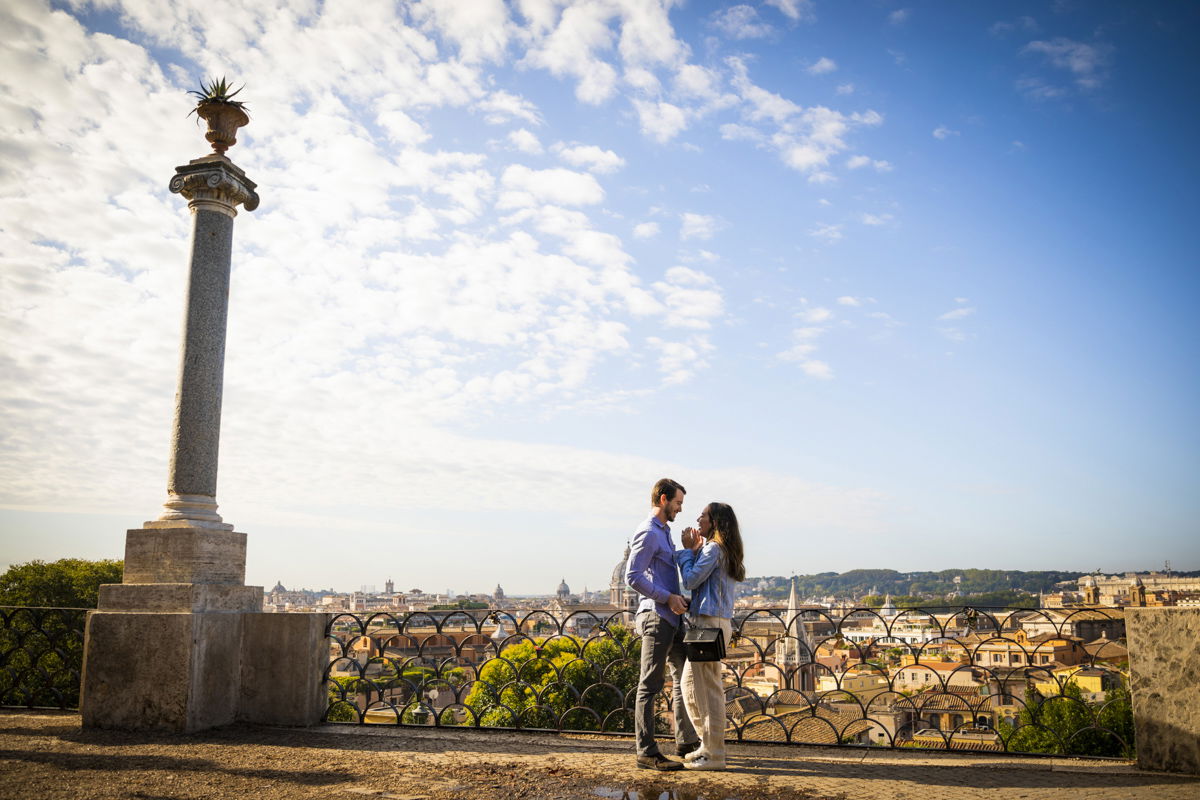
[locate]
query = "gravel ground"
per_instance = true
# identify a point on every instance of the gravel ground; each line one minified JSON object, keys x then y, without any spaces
{"x":48,"y":756}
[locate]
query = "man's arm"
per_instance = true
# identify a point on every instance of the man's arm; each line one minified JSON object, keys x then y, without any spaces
{"x":641,"y":551}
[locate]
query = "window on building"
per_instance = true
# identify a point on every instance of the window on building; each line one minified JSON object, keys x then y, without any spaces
{"x":1016,"y":659}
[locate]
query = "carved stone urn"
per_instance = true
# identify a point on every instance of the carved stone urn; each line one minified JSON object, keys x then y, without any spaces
{"x":223,"y":121}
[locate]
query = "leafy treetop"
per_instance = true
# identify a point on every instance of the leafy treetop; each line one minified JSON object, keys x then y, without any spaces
{"x":66,"y":583}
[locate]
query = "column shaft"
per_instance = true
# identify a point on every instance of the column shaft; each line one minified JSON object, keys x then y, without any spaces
{"x":196,"y":431}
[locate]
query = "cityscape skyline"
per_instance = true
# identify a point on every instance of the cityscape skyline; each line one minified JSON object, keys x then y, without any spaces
{"x":905,"y":285}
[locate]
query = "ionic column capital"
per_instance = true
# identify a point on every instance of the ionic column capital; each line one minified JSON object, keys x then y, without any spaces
{"x":215,"y":183}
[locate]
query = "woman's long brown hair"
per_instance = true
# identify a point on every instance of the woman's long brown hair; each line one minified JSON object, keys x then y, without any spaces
{"x":726,"y":533}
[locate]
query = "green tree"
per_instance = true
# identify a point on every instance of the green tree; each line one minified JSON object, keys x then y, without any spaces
{"x":66,"y":583}
{"x":41,"y":628}
{"x":540,"y":682}
{"x":341,"y":708}
{"x":1065,"y":724}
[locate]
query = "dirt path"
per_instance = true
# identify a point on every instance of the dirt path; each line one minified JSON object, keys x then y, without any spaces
{"x":47,"y":756}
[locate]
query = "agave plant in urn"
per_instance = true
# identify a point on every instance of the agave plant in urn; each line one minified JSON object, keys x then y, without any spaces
{"x":223,"y":114}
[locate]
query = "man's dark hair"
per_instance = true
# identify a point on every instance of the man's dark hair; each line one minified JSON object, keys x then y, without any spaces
{"x":665,"y":487}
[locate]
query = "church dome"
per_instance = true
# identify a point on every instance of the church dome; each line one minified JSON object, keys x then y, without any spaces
{"x":279,"y":587}
{"x":563,"y":588}
{"x":618,"y":573}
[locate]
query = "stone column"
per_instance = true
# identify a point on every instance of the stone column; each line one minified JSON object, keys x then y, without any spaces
{"x":214,"y":187}
{"x":164,"y":649}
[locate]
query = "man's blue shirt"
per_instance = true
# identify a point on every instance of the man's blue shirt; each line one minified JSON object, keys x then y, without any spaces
{"x":651,"y":568}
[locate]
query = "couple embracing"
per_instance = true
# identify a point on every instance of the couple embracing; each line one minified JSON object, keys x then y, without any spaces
{"x":710,"y":564}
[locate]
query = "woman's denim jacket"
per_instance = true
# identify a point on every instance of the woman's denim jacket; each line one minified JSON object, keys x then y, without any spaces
{"x":705,"y":575}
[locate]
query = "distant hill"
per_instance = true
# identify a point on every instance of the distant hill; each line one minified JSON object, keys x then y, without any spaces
{"x":861,"y":583}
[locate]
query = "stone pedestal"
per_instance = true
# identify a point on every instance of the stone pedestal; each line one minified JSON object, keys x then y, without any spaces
{"x":283,"y":659}
{"x":161,"y":671}
{"x":164,"y":650}
{"x":1164,"y":667}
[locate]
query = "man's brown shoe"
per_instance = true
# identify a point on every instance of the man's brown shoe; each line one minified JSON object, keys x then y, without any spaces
{"x":659,"y":762}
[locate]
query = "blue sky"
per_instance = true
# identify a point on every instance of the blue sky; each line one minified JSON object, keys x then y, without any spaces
{"x":908,"y":284}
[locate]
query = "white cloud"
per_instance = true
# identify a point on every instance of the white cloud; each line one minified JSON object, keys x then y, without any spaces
{"x":958,"y":313}
{"x":700,"y":83}
{"x":855,"y":162}
{"x":814,"y":316}
{"x":660,"y":120}
{"x":560,"y":186}
{"x":795,"y":10}
{"x":570,"y":50}
{"x":822,"y":67}
{"x":525,"y":141}
{"x":849,"y":301}
{"x":1038,"y":89}
{"x":899,"y":16}
{"x":645,"y":230}
{"x":401,"y":128}
{"x":697,"y":226}
{"x":963,"y":311}
{"x":829,"y":233}
{"x":1024,"y":23}
{"x":817,"y":369}
{"x":479,"y":30}
{"x":499,"y":107}
{"x":1085,"y":62}
{"x":680,"y":361}
{"x":845,"y":88}
{"x":942,"y":132}
{"x":741,"y":22}
{"x":692,"y":298}
{"x":805,"y":138}
{"x":590,"y":157}
{"x":876,"y":219}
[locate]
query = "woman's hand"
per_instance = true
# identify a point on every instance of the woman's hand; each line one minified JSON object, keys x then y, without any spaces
{"x":691,"y":539}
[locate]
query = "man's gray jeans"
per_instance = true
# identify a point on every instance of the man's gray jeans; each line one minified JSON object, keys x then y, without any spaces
{"x":662,"y":644}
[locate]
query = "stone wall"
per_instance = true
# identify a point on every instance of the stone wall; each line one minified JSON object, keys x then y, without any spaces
{"x":1164,"y":662}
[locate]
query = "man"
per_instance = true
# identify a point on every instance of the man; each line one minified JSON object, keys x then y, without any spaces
{"x":652,"y":573}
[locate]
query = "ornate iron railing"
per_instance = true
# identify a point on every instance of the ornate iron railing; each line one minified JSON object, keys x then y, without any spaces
{"x":41,"y":656}
{"x":986,"y":679}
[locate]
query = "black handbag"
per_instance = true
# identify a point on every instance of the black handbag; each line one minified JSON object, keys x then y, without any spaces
{"x":704,"y":644}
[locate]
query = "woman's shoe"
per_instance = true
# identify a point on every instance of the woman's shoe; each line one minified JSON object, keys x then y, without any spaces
{"x":703,"y":762}
{"x":692,"y":756}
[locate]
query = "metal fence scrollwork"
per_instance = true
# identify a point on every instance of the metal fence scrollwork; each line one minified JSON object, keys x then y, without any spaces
{"x":1049,"y":681}
{"x":41,"y":655}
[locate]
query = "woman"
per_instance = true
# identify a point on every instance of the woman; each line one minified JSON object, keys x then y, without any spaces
{"x":710,"y":564}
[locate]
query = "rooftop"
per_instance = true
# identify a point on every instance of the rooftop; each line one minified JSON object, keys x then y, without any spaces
{"x":48,"y":756}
